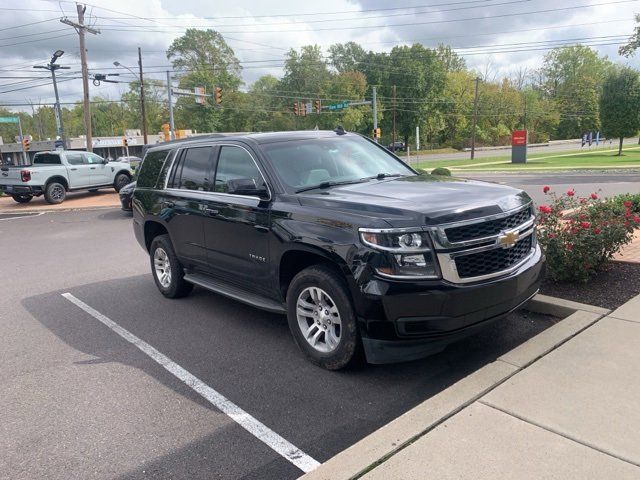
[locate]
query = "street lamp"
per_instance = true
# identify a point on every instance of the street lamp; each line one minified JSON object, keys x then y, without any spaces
{"x":52,"y":66}
{"x":142,"y":107}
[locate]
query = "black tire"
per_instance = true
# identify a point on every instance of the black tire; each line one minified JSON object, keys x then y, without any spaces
{"x":348,"y":349}
{"x":177,"y":286}
{"x":121,"y":180}
{"x":55,"y":193}
{"x":22,"y":198}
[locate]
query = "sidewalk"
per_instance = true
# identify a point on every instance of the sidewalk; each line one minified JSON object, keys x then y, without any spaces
{"x":631,"y":252}
{"x":571,"y":412}
{"x":101,"y":198}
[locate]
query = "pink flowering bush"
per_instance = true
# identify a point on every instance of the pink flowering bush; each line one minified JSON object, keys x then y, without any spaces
{"x":579,"y":235}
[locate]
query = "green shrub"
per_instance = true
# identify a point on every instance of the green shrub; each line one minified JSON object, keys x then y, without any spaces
{"x":445,"y":172}
{"x":579,"y":244}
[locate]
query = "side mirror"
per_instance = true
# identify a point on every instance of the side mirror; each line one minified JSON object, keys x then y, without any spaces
{"x":247,"y":186}
{"x":105,"y":161}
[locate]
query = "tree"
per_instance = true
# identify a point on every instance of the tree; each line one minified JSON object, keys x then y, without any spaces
{"x":572,"y":78}
{"x":620,"y":104}
{"x":346,"y":57}
{"x":203,"y":59}
{"x":156,"y":107}
{"x":634,"y":42}
{"x":450,"y":59}
{"x":305,"y":72}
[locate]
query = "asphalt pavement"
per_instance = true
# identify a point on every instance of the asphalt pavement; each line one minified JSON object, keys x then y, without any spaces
{"x":80,"y":401}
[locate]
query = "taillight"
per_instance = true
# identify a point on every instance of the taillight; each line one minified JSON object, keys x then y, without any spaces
{"x":26,"y":175}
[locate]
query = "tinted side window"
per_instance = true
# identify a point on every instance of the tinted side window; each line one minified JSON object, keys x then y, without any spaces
{"x":235,"y":163}
{"x":75,"y":158}
{"x":150,"y":168}
{"x":47,"y":159}
{"x":195,"y":169}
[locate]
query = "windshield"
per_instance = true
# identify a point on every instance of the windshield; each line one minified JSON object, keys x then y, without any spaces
{"x":302,"y":164}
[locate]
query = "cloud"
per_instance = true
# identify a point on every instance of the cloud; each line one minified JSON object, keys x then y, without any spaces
{"x":260,"y":40}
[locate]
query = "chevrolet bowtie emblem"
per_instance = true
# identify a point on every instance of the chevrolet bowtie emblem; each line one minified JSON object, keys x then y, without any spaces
{"x":508,"y":239}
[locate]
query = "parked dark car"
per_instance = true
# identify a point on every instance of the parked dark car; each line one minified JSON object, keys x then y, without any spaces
{"x":397,"y":147}
{"x":361,"y":252}
{"x":126,"y":195}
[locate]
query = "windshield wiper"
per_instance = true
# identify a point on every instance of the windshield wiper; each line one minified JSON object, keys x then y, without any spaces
{"x":328,"y":184}
{"x":380,"y":176}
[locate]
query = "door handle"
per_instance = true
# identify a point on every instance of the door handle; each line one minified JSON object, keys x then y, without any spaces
{"x":211,"y":211}
{"x":92,"y":168}
{"x":73,"y":169}
{"x":261,"y":228}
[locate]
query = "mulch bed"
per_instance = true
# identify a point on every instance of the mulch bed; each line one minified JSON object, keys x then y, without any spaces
{"x":615,"y":285}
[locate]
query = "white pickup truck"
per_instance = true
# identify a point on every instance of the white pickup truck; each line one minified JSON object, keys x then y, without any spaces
{"x":55,"y":173}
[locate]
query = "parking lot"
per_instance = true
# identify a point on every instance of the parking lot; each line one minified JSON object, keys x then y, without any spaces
{"x":85,"y":396}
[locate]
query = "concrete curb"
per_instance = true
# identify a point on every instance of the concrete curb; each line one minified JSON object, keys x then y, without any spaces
{"x":388,"y":440}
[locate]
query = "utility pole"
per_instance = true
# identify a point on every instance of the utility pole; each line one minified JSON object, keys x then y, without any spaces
{"x":144,"y":115}
{"x":172,"y":126}
{"x":475,"y":119}
{"x":374,"y":105}
{"x":393,"y":140}
{"x":52,"y":66}
{"x":81,"y":28}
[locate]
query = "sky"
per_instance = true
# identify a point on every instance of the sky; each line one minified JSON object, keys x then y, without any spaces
{"x":496,"y":37}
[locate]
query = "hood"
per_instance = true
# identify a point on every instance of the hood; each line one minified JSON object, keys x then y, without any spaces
{"x":419,"y":199}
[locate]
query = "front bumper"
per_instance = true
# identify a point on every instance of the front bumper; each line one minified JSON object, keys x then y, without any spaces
{"x":410,"y":320}
{"x":21,"y":189}
{"x":125,"y":201}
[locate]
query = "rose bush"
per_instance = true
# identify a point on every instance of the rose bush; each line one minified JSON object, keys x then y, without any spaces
{"x":579,"y":235}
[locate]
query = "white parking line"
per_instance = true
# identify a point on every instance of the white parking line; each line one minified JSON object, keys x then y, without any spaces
{"x":263,"y":433}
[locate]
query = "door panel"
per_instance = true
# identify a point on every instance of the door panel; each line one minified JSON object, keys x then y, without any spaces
{"x":182,"y":205}
{"x":237,"y":227}
{"x":79,"y":170}
{"x":100,"y":173}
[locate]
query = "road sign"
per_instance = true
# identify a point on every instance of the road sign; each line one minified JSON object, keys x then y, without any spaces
{"x":200,"y":95}
{"x":308,"y":108}
{"x":9,"y":120}
{"x":339,"y":105}
{"x":181,"y":91}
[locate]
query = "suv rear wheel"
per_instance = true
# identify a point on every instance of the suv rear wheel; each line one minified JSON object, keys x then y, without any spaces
{"x":167,"y":269}
{"x":22,"y":198}
{"x":321,"y":317}
{"x":55,"y":193}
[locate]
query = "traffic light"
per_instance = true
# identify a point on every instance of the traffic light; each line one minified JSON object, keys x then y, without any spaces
{"x":166,"y":131}
{"x":296,"y":108}
{"x":377,"y":133}
{"x":125,"y":142}
{"x":318,"y":106}
{"x":26,"y":144}
{"x":217,"y":95}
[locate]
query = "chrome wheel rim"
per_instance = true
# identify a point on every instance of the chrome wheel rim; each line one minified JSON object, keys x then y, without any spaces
{"x":162,"y":267}
{"x":57,"y":192}
{"x":319,"y":319}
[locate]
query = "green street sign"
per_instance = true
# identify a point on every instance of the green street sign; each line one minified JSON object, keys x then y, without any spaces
{"x":9,"y":120}
{"x":338,"y":106}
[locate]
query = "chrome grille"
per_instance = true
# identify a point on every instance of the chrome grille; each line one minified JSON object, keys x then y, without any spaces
{"x":492,"y":261}
{"x":488,"y":228}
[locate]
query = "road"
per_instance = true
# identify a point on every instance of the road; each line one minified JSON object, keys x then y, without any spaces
{"x":605,"y":184}
{"x":79,"y":401}
{"x":554,"y":147}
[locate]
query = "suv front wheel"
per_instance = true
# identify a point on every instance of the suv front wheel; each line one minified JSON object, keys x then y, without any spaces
{"x":321,"y":318}
{"x":167,"y":269}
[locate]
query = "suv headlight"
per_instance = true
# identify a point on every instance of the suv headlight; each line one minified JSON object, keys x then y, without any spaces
{"x":409,"y":253}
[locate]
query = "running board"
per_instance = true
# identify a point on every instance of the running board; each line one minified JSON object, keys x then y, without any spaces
{"x":236,"y":293}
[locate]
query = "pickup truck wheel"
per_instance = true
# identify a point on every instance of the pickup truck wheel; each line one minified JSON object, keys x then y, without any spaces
{"x":55,"y":193}
{"x":22,"y":198}
{"x":321,"y":317}
{"x":121,"y":180}
{"x":167,"y":269}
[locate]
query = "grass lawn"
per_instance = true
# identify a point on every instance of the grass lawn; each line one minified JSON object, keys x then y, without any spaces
{"x":593,"y":159}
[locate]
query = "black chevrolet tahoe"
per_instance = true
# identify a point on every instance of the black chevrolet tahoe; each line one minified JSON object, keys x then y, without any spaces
{"x":362,"y":253}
